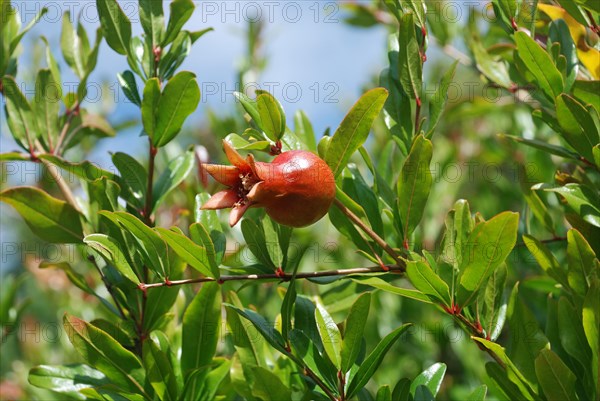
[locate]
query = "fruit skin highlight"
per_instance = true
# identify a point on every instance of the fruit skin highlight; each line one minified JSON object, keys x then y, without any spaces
{"x":296,"y":188}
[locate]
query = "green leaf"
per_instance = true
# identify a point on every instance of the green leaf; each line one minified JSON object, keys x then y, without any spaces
{"x":555,"y":378}
{"x":578,"y":127}
{"x":17,"y":38}
{"x":151,"y":246}
{"x":104,"y":353}
{"x":201,"y":328}
{"x":51,"y":219}
{"x":304,"y":130}
{"x":308,"y":352}
{"x":46,"y":106}
{"x":272,"y":336}
{"x":109,"y":248}
{"x":539,"y":63}
{"x":354,"y":129}
{"x":178,"y":100}
{"x":353,"y":334}
{"x":527,"y":339}
{"x":424,"y":279}
{"x":177,"y":170}
{"x":250,"y":106}
{"x":67,"y":379}
{"x":202,"y":237}
{"x":409,"y":61}
{"x":181,"y":11}
{"x":159,"y":370}
{"x":494,"y":310}
{"x":270,"y":228}
{"x":129,"y":86}
{"x":257,"y":243}
{"x":544,"y":146}
{"x":115,"y":25}
{"x":268,"y":386}
{"x":133,"y":175}
{"x":330,"y":335}
{"x":490,"y":243}
{"x":431,"y":378}
{"x":572,"y":334}
{"x":580,"y":258}
{"x":20,"y":117}
{"x":478,"y":394}
{"x":153,"y":20}
{"x":587,"y":92}
{"x":192,"y":254}
{"x":272,"y":116}
{"x":380,"y":284}
{"x":414,"y":185}
{"x":583,"y":200}
{"x":546,"y":259}
{"x":508,"y":8}
{"x":71,"y":44}
{"x":384,"y":394}
{"x":438,"y":102}
{"x":150,"y":107}
{"x":373,"y":360}
{"x":506,"y":385}
{"x":591,"y":327}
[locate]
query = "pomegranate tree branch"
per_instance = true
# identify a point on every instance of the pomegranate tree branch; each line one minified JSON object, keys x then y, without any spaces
{"x":276,"y":276}
{"x":367,"y":230}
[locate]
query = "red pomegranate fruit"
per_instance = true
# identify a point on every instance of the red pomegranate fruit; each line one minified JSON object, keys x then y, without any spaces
{"x":296,"y":188}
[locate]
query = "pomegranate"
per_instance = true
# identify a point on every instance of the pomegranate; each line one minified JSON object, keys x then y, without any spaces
{"x":296,"y":188}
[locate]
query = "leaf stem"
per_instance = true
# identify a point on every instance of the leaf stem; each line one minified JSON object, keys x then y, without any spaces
{"x":320,"y":383}
{"x":367,"y":230}
{"x":285,"y":277}
{"x":63,"y":134}
{"x":148,"y":208}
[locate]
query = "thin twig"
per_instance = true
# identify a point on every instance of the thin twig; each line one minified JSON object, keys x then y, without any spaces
{"x":320,"y":383}
{"x":367,"y":230}
{"x":285,"y":277}
{"x":148,"y":207}
{"x":63,"y":134}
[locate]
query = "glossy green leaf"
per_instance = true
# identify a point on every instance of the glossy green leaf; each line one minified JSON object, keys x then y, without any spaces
{"x":178,"y":100}
{"x":272,"y":336}
{"x":494,"y":309}
{"x":490,"y":243}
{"x":587,"y":92}
{"x":256,"y":242}
{"x":510,"y":390}
{"x":555,"y":378}
{"x":272,"y":116}
{"x":201,"y":328}
{"x":268,"y":386}
{"x":583,"y":200}
{"x":192,"y":254}
{"x":304,"y":129}
{"x":104,"y":353}
{"x":384,"y":394}
{"x":177,"y":170}
{"x":414,"y":185}
{"x":67,"y":379}
{"x":578,"y":127}
{"x":307,"y":351}
{"x":115,"y":24}
{"x":21,"y":119}
{"x":540,"y":64}
{"x":354,"y":129}
{"x":438,"y":102}
{"x":580,"y":258}
{"x":51,"y":219}
{"x":153,"y":20}
{"x":380,"y":284}
{"x":478,"y":394}
{"x":527,"y":339}
{"x":181,"y":11}
{"x":46,"y":106}
{"x":354,"y":331}
{"x":133,"y":175}
{"x":159,"y":370}
{"x":424,"y":279}
{"x":545,"y":259}
{"x":330,"y":335}
{"x":17,"y":38}
{"x":129,"y":87}
{"x":410,"y":62}
{"x":150,"y":102}
{"x":151,"y":246}
{"x":110,"y":249}
{"x":431,"y":378}
{"x":373,"y":360}
{"x":70,"y":43}
{"x":591,"y":327}
{"x":572,"y":334}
